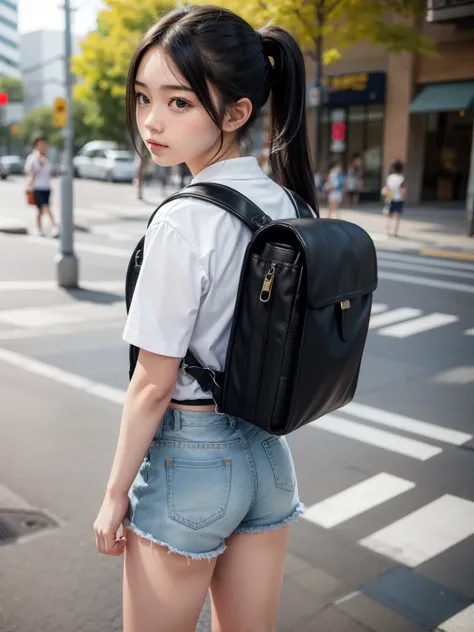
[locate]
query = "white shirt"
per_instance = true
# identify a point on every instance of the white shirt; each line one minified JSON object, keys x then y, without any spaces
{"x":186,"y":291}
{"x":41,"y":172}
{"x":395,"y":182}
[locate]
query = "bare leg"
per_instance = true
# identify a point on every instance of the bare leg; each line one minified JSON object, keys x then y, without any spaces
{"x":397,"y":224}
{"x":246,"y":584}
{"x":389,"y":223}
{"x":39,"y":226}
{"x":162,"y":591}
{"x":47,"y":211}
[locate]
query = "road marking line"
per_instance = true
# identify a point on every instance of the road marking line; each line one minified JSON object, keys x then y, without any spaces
{"x":425,"y":533}
{"x":402,"y":257}
{"x":469,"y":332}
{"x":407,"y":424}
{"x":458,"y":375}
{"x":51,"y":372}
{"x":394,"y":316}
{"x":449,"y":254}
{"x":10,"y":500}
{"x":81,"y":246}
{"x":461,"y":622}
{"x":356,"y":500}
{"x":460,"y":274}
{"x":22,"y":286}
{"x":415,"y":280}
{"x":38,"y":317}
{"x":377,"y":308}
{"x":418,"y":325}
{"x":378,"y":438}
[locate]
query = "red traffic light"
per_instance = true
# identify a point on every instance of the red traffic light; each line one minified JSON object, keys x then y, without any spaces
{"x":3,"y":98}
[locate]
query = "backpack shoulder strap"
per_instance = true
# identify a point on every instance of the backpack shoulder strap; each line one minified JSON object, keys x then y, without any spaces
{"x":302,"y":208}
{"x":226,"y":198}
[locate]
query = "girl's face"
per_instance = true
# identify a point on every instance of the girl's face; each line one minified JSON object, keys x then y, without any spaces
{"x":172,"y":122}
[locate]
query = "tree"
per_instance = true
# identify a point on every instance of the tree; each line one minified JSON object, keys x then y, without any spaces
{"x":39,"y":122}
{"x":325,"y":28}
{"x":103,"y":64}
{"x":14,"y":88}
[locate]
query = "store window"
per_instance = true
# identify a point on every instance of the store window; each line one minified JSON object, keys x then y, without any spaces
{"x":365,"y":127}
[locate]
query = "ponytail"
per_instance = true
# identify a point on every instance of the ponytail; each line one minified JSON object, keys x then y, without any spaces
{"x":290,"y":159}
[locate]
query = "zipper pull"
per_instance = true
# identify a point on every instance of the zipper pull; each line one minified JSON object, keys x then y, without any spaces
{"x":267,"y":285}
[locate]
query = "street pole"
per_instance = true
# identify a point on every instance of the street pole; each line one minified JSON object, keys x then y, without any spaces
{"x":66,"y":261}
{"x":470,"y":193}
{"x":318,"y":53}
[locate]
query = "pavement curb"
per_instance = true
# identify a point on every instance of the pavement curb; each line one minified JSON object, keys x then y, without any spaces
{"x":14,"y":230}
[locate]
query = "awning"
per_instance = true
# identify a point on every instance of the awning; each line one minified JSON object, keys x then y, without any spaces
{"x":444,"y":97}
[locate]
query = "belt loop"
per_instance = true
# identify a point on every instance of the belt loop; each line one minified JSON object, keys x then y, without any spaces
{"x":176,"y":420}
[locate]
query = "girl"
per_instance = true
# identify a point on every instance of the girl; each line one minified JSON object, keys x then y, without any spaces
{"x":394,"y":192}
{"x":335,"y":187}
{"x":39,"y":172}
{"x":206,"y":499}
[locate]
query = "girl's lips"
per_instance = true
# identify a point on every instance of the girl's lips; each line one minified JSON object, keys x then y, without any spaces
{"x":156,"y":146}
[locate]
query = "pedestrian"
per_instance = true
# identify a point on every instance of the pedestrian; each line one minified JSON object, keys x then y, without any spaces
{"x":354,"y":180}
{"x":394,"y":193}
{"x":39,"y":171}
{"x":206,"y":499}
{"x":335,"y":188}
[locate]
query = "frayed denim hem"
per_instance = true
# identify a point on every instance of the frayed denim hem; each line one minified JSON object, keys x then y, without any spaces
{"x":296,"y":513}
{"x":208,"y":555}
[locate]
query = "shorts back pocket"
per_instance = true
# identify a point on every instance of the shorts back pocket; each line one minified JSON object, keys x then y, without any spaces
{"x":281,"y":462}
{"x":198,"y":491}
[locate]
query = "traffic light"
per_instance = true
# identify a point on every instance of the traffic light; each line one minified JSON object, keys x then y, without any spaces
{"x":3,"y":98}
{"x":60,"y":112}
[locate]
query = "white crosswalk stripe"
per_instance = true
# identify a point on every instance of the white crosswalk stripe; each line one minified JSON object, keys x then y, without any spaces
{"x":404,"y":322}
{"x":356,"y":500}
{"x":425,"y":533}
{"x":461,"y":622}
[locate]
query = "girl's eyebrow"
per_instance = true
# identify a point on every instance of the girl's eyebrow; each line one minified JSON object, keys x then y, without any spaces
{"x":167,"y":87}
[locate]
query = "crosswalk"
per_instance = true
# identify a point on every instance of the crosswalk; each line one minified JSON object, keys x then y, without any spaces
{"x":404,"y":322}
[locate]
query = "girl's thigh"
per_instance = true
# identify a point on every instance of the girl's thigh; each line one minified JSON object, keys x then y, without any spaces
{"x":246,"y":584}
{"x":162,"y":591}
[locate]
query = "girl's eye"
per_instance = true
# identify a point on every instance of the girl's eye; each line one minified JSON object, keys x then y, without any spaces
{"x":180,"y":104}
{"x":141,"y":98}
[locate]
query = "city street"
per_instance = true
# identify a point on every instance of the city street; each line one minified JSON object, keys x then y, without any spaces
{"x":387,"y":542}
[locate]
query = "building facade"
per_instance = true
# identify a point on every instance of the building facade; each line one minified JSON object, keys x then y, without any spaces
{"x":42,"y":66}
{"x":414,"y":108}
{"x":9,"y":39}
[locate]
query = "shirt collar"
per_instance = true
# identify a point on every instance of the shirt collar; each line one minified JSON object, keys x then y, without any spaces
{"x":244,"y":168}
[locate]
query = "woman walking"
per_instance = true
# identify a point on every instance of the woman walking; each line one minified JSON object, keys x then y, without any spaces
{"x":206,"y":499}
{"x":38,"y":171}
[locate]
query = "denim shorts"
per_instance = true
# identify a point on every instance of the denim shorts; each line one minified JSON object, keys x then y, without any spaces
{"x":206,"y":476}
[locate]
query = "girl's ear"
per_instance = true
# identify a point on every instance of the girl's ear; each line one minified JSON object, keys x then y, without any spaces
{"x":237,"y":115}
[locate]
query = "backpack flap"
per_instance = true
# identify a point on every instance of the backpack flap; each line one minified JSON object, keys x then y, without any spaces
{"x":340,"y":276}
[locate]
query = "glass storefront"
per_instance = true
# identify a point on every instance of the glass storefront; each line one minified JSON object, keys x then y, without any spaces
{"x":364,"y":135}
{"x":448,"y":139}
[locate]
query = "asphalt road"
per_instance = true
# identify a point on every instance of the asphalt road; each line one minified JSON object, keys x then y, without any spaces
{"x":388,"y":481}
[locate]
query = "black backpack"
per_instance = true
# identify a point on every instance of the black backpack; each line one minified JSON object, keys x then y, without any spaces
{"x":301,"y":315}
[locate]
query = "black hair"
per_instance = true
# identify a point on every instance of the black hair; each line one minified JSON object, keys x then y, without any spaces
{"x":397,"y":166}
{"x":38,"y":139}
{"x":212,"y":45}
{"x":356,"y":155}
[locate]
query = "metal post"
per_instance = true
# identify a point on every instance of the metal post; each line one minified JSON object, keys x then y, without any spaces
{"x":318,"y":54}
{"x":470,"y":193}
{"x":66,"y":261}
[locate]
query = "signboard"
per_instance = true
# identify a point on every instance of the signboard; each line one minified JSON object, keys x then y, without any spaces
{"x":60,"y":112}
{"x":358,"y":88}
{"x":449,"y":10}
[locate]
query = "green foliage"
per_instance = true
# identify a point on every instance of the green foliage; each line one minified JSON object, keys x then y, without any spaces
{"x":39,"y":122}
{"x":340,"y":23}
{"x":103,"y":64}
{"x":14,"y":88}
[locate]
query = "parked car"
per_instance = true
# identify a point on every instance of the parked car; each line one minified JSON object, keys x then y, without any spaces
{"x":12,"y":165}
{"x":114,"y":165}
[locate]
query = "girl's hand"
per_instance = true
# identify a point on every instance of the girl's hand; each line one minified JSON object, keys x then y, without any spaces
{"x":107,"y":524}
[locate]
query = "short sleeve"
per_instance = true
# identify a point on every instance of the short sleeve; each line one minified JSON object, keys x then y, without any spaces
{"x":28,"y":163}
{"x":168,"y":294}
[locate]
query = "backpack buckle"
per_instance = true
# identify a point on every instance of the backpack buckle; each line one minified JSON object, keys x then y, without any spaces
{"x":345,"y":304}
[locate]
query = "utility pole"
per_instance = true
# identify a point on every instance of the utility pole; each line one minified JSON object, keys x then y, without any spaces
{"x":318,"y":54}
{"x":67,"y":267}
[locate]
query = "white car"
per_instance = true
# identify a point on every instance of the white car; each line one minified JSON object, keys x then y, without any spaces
{"x":102,"y":163}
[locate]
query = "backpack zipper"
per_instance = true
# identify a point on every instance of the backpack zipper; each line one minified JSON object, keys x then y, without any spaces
{"x":266,"y":290}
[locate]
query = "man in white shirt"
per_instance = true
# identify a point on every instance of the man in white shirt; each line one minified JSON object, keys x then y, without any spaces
{"x":38,"y":171}
{"x":394,"y":192}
